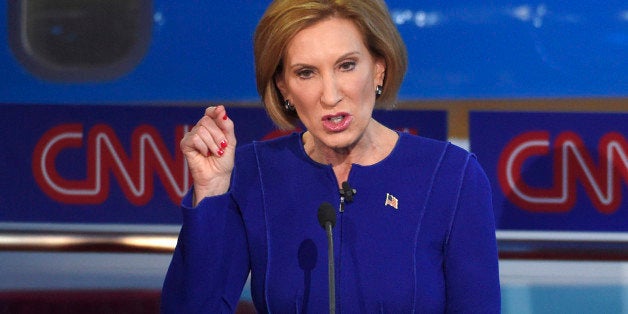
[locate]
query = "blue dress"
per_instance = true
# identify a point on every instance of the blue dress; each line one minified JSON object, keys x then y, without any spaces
{"x":418,"y":237}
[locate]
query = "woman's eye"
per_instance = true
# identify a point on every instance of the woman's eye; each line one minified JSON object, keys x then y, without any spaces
{"x":347,"y":66}
{"x":305,"y":73}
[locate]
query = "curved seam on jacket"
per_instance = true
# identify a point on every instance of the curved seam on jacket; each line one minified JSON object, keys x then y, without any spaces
{"x":420,"y":221}
{"x":457,"y":200}
{"x":267,"y":271}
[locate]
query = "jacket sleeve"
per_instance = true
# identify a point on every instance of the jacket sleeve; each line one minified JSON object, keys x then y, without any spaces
{"x":471,"y":260}
{"x":210,"y":263}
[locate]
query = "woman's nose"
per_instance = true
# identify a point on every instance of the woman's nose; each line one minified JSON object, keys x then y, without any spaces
{"x":331,"y":94}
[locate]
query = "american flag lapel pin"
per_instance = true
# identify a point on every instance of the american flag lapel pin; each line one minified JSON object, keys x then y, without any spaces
{"x":391,"y":201}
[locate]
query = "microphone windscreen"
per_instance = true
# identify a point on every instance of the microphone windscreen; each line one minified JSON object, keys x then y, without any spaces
{"x":347,"y":191}
{"x":326,"y":213}
{"x":345,"y":186}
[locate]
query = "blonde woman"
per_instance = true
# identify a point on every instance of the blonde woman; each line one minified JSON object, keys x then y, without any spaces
{"x":417,"y":236}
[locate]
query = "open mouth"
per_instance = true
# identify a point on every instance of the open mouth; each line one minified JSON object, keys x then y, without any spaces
{"x":337,"y":122}
{"x":336,"y":119}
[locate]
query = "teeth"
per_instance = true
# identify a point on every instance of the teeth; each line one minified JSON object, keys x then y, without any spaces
{"x":336,"y":119}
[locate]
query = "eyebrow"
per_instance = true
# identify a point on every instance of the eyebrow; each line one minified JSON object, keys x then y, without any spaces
{"x":344,"y":56}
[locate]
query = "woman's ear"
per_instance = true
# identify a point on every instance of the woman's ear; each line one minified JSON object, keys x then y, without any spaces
{"x":380,"y":71}
{"x":281,"y":85}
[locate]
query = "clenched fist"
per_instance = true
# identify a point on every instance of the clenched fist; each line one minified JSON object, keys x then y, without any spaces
{"x":209,"y":149}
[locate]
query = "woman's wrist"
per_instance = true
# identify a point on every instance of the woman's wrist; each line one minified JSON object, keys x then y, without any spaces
{"x":214,"y":188}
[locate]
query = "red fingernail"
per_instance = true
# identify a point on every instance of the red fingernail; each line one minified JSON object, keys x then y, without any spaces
{"x":225,"y":117}
{"x":220,"y":152}
{"x":223,"y":144}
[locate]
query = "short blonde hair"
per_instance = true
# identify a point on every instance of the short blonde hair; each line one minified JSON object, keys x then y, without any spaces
{"x":284,"y":18}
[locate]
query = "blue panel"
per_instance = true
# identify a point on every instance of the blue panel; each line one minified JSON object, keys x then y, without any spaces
{"x":121,"y":164}
{"x":555,"y":171}
{"x":550,"y":299}
{"x":201,"y":51}
{"x":461,"y":49}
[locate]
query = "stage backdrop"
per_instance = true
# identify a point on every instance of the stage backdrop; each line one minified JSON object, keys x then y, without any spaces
{"x":121,"y":164}
{"x":555,"y":171}
{"x":202,"y":50}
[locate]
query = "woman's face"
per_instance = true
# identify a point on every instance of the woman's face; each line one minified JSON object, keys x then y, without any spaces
{"x":330,"y":77}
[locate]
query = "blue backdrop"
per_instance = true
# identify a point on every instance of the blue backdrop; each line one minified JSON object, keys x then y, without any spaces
{"x":201,"y":51}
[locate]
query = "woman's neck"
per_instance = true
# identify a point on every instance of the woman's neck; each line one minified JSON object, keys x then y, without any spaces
{"x":373,"y":146}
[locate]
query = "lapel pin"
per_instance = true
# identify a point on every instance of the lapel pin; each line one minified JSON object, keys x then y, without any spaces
{"x":391,"y":201}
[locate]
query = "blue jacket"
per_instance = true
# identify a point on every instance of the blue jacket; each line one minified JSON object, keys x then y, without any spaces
{"x":418,"y":237}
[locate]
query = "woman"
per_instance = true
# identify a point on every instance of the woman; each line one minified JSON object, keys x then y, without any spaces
{"x":419,"y":234}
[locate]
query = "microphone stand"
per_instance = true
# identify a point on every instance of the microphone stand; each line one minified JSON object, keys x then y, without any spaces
{"x":330,"y":269}
{"x":327,"y":220}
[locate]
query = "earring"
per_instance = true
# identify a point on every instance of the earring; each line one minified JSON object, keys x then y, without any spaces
{"x":379,"y":90}
{"x":288,"y":106}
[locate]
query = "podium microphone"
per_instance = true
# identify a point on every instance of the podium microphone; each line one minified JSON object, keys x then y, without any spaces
{"x":327,"y":219}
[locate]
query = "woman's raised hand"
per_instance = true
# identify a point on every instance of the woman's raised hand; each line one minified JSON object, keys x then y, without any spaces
{"x":209,"y":149}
